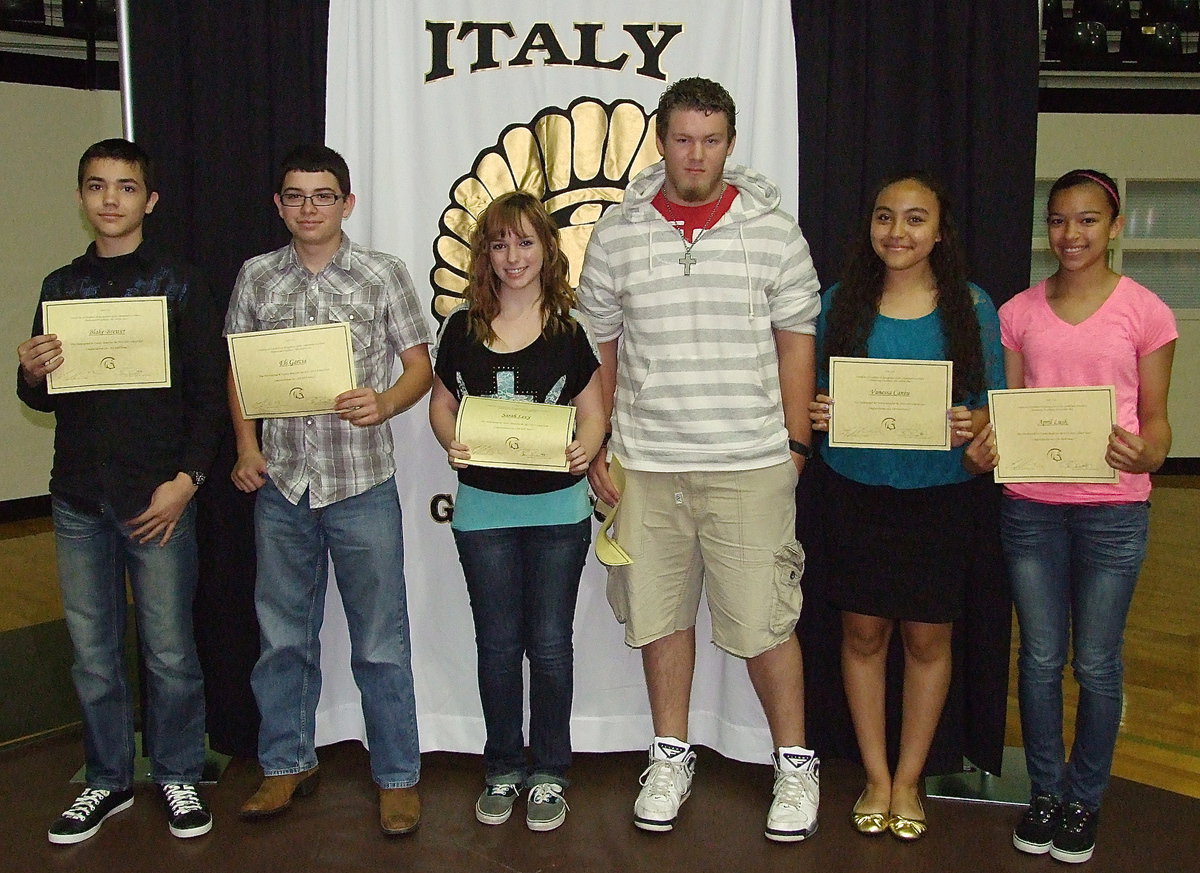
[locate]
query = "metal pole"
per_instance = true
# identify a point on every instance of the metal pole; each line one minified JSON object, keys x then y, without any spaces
{"x":89,"y":74}
{"x":125,"y":68}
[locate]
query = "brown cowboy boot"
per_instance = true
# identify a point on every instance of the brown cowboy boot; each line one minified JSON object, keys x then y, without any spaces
{"x":399,"y":810}
{"x":276,"y":793}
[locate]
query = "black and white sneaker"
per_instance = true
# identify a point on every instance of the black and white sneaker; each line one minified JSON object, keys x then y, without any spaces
{"x":1075,"y":839}
{"x":666,"y":784}
{"x":793,"y":813}
{"x":1035,"y":831}
{"x":87,"y":813}
{"x":189,"y":816}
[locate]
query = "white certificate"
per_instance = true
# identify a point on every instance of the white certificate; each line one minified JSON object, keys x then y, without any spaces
{"x":109,"y":343}
{"x":880,"y":403}
{"x":292,"y":371}
{"x":1054,"y":434}
{"x":515,"y":434}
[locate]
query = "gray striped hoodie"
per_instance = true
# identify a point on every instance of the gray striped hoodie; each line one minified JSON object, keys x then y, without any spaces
{"x":697,"y":370}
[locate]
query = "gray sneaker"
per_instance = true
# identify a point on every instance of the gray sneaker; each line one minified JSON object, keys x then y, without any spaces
{"x":546,"y":808}
{"x":495,"y":805}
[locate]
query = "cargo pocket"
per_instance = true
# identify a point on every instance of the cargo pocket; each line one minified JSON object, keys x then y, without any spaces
{"x":789,"y":568}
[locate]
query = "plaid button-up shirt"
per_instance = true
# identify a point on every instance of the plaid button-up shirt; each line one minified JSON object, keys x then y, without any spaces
{"x":373,"y":293}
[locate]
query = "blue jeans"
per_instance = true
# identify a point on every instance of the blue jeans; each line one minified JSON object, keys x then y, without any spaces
{"x":1073,"y":570}
{"x":94,"y":552}
{"x":363,"y":536}
{"x":523,"y":583}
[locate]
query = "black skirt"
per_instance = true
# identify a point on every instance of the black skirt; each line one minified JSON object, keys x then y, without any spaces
{"x":898,"y":553}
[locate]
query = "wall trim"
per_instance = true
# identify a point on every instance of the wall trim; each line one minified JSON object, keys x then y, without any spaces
{"x":24,"y":508}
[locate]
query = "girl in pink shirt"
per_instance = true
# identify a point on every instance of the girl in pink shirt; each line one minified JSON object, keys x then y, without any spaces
{"x":1074,"y":551}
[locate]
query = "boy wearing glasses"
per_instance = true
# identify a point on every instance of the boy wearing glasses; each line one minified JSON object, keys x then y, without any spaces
{"x":127,"y":462}
{"x":326,"y":489}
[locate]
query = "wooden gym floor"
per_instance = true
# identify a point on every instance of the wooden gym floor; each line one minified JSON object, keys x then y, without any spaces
{"x":1151,"y":818}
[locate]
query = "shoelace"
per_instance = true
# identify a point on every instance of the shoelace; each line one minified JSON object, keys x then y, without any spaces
{"x":502,"y":790}
{"x":660,"y":777}
{"x":547,"y":792}
{"x":182,"y":799}
{"x":1044,"y":810}
{"x":1074,"y":818}
{"x":794,"y":787}
{"x":86,"y":803}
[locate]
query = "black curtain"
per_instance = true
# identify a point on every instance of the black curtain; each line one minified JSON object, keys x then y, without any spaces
{"x":948,"y":87}
{"x":951,"y":88}
{"x":222,"y":90}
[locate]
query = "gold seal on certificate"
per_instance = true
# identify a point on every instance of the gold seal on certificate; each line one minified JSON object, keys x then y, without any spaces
{"x":889,"y":404}
{"x":1054,"y":434}
{"x":515,"y":434}
{"x":292,"y":371}
{"x":109,"y":343}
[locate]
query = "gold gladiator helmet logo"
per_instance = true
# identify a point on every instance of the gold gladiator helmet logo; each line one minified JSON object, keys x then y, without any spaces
{"x":577,"y":160}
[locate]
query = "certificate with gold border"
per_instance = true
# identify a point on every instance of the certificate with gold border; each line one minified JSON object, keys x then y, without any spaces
{"x":109,"y":343}
{"x":291,"y":371}
{"x":880,"y":403}
{"x":515,"y":434}
{"x":1054,"y":434}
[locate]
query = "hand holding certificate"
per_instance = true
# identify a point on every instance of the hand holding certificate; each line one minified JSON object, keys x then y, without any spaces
{"x":1054,"y":434}
{"x":109,"y":343}
{"x":890,"y":404}
{"x":515,"y":434}
{"x":293,"y":371}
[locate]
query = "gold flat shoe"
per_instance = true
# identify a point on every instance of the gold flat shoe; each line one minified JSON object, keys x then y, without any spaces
{"x":907,"y":829}
{"x":869,"y":823}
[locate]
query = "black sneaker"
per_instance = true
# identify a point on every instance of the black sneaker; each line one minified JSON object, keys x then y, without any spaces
{"x":1037,"y":827}
{"x":87,"y":813}
{"x":1075,"y":839}
{"x":189,"y":816}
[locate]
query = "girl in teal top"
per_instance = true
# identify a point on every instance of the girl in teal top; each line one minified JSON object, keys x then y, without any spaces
{"x":898,"y":519}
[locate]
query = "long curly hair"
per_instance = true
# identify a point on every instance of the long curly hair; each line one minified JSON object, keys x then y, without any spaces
{"x":507,"y":214}
{"x":850,"y":319}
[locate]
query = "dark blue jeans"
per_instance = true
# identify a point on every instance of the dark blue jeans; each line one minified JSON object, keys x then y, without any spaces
{"x":1073,"y":570}
{"x":523,"y":583}
{"x":94,"y":553}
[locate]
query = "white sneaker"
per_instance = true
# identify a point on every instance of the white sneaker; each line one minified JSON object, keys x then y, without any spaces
{"x":793,"y":813}
{"x":666,"y":784}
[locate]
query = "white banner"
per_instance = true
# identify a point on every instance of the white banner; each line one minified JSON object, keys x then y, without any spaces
{"x":441,"y":106}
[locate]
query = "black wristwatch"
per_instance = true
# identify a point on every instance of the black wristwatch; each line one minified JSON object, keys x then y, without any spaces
{"x":196,"y":476}
{"x":800,"y":448}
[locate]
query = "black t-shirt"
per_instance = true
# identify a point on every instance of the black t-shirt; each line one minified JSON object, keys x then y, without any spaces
{"x":553,"y":368}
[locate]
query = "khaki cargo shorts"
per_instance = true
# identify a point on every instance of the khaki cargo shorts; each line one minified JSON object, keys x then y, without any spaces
{"x":729,"y":534}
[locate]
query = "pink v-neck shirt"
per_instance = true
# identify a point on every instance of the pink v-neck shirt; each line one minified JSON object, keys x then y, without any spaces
{"x":1103,"y":349}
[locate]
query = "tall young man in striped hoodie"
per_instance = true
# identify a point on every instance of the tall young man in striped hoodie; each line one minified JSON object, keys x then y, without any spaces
{"x":703,"y":298}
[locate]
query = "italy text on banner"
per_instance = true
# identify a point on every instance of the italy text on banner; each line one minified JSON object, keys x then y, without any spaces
{"x":440,"y":106}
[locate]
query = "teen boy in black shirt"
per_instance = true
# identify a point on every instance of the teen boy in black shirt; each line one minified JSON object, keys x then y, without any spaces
{"x":127,"y":462}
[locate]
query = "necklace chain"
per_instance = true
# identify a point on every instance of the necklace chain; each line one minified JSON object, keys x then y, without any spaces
{"x":678,"y":225}
{"x":687,"y":260}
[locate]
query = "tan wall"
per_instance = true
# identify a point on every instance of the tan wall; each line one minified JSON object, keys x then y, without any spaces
{"x":1154,"y":146}
{"x":44,"y":132}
